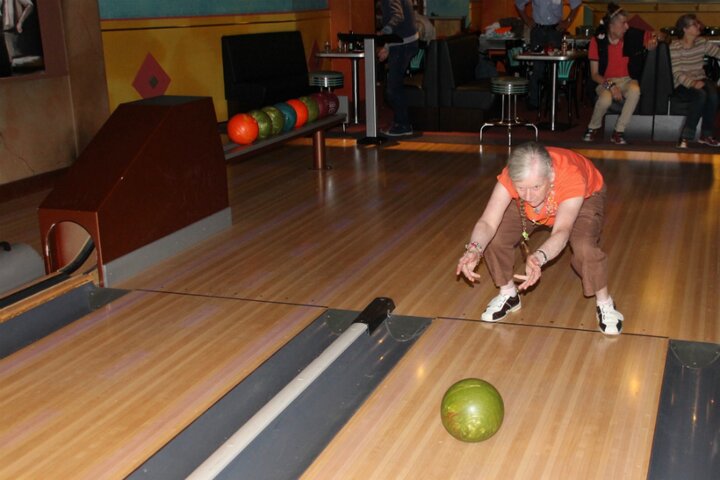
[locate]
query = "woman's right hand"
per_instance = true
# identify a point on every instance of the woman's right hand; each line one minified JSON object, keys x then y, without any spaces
{"x":467,"y":264}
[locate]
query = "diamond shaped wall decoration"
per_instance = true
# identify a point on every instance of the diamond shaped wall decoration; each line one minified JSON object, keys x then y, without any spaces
{"x":151,"y":80}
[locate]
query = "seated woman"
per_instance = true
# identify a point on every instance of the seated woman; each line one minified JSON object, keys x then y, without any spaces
{"x":616,"y":57}
{"x":691,"y":83}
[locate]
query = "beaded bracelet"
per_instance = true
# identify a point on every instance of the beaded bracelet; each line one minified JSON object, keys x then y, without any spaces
{"x":474,"y":247}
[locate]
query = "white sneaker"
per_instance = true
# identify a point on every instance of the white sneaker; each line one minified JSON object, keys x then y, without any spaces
{"x":499,"y":307}
{"x":609,"y":320}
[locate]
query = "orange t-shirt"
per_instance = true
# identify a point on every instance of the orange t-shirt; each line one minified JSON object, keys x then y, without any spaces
{"x":575,"y":176}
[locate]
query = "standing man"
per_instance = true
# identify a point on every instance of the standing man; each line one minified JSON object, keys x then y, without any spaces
{"x":547,"y":26}
{"x":398,"y":18}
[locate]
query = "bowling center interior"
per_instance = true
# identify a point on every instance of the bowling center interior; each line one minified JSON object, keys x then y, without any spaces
{"x":218,"y":259}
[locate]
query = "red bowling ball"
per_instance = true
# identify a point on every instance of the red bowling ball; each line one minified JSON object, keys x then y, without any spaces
{"x":322,"y":104}
{"x":300,"y":110}
{"x":242,"y":129}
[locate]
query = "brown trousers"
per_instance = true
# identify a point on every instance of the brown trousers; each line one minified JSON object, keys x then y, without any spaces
{"x":588,"y":260}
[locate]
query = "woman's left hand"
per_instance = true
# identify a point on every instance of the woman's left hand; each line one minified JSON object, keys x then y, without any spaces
{"x":533,"y":272}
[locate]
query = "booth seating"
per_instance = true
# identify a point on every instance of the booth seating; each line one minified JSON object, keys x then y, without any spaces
{"x":465,"y":102}
{"x":263,"y":68}
{"x":446,"y":96}
{"x":674,"y":108}
{"x":421,"y":91}
{"x":660,"y":115}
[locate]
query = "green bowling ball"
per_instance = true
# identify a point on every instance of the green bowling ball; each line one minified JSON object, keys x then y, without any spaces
{"x":276,"y":118}
{"x":264,"y":123}
{"x":472,"y":410}
{"x":312,"y":106}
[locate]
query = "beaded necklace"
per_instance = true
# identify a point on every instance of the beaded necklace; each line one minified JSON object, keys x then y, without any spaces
{"x":550,"y":210}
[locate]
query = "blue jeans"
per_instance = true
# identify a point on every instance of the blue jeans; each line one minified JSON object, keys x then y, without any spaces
{"x":397,"y":63}
{"x":703,"y":104}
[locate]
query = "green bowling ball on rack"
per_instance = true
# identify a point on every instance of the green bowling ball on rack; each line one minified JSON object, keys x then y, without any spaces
{"x":277,"y":119}
{"x":264,"y":123}
{"x":312,"y":107}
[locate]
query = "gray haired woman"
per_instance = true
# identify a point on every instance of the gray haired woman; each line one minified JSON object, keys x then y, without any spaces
{"x":543,"y":187}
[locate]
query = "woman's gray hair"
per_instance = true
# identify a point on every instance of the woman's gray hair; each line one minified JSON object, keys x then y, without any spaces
{"x":525,"y":157}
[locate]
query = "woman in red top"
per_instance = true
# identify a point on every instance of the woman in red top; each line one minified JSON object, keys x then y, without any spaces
{"x":543,"y":187}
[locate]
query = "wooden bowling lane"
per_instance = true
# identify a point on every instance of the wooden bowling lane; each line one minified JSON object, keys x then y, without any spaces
{"x":577,"y":405}
{"x":393,"y":222}
{"x":96,"y":398}
{"x":367,"y":228}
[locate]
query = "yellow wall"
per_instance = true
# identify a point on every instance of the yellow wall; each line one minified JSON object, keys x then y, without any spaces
{"x":188,"y":49}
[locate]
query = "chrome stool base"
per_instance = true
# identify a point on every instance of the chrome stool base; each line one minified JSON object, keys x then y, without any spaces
{"x":509,"y":88}
{"x":326,"y":79}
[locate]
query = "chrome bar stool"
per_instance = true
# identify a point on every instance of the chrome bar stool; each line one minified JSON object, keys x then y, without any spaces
{"x":326,"y":79}
{"x":509,"y":88}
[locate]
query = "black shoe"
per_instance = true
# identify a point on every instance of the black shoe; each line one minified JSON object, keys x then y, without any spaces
{"x":682,"y":143}
{"x":398,"y":131}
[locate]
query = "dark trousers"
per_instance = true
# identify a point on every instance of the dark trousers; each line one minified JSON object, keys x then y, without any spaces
{"x":703,"y":104}
{"x":397,"y":63}
{"x":541,"y":36}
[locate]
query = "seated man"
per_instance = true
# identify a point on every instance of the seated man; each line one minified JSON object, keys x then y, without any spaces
{"x":616,"y":57}
{"x":691,"y":84}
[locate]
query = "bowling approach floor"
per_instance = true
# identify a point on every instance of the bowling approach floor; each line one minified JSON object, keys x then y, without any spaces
{"x":98,"y":397}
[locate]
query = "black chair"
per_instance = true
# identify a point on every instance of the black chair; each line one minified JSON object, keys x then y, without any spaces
{"x":421,"y":90}
{"x":668,"y":101}
{"x":263,"y":68}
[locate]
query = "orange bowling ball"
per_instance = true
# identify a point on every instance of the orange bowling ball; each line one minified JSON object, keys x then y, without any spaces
{"x":242,"y":129}
{"x":300,"y":110}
